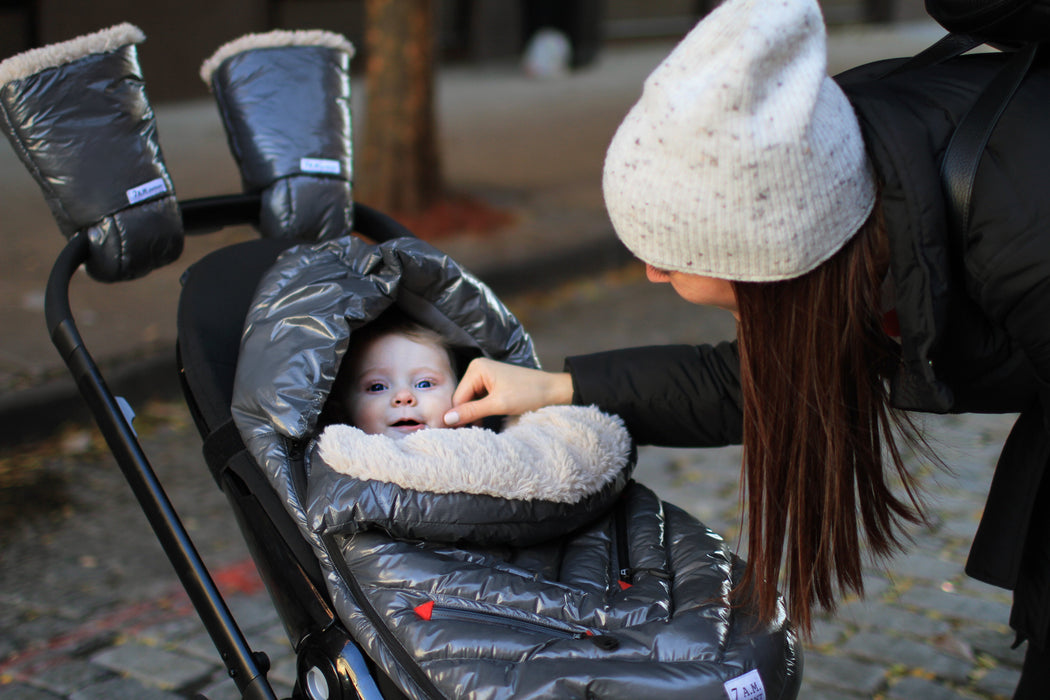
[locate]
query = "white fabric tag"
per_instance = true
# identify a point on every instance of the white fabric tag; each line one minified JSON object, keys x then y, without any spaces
{"x":746,"y":687}
{"x":320,"y":165}
{"x":146,"y":190}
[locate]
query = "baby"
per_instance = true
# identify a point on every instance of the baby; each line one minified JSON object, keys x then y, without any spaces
{"x":397,"y":378}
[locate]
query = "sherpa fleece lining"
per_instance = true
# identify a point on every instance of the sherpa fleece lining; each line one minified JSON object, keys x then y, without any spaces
{"x":274,"y":39}
{"x":559,"y":453}
{"x":35,"y":60}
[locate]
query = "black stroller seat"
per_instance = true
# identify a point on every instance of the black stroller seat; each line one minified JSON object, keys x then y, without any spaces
{"x":211,"y":312}
{"x":212,"y":308}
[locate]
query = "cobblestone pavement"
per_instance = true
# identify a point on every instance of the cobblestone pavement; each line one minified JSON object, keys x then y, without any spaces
{"x":90,"y":608}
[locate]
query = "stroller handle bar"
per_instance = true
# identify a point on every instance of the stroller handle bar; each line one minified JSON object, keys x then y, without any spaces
{"x":203,"y":215}
{"x":246,"y":668}
{"x":209,"y":214}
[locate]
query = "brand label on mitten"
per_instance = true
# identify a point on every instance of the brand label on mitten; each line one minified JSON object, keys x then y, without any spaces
{"x":320,"y":165}
{"x":746,"y":687}
{"x":147,"y":190}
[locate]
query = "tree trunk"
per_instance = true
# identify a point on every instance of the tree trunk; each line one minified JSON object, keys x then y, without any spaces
{"x":400,"y":169}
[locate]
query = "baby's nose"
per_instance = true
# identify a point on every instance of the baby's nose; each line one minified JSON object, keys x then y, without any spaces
{"x":404,"y":397}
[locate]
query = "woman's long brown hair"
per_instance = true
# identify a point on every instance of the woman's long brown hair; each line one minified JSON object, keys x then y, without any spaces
{"x":814,"y":359}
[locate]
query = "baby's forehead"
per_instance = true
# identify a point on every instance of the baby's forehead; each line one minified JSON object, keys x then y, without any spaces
{"x":392,"y":367}
{"x":395,"y":351}
{"x":399,"y":340}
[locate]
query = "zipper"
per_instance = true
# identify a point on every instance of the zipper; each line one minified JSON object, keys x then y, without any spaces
{"x":622,"y":570}
{"x":296,"y":451}
{"x":401,"y":655}
{"x":434,"y":611}
{"x":621,"y":564}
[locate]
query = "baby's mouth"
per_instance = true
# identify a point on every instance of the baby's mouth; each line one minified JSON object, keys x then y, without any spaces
{"x":407,"y":425}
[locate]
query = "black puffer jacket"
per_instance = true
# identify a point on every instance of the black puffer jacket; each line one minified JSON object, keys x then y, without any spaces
{"x":973,"y":307}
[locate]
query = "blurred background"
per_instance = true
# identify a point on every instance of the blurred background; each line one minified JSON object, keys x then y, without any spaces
{"x":182,"y":32}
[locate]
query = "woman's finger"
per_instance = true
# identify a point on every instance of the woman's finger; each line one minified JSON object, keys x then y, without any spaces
{"x":474,"y":384}
{"x":490,"y":388}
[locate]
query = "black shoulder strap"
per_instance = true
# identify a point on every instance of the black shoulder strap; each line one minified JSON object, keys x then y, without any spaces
{"x":220,"y":446}
{"x":971,"y":135}
{"x":967,"y":144}
{"x":948,"y":46}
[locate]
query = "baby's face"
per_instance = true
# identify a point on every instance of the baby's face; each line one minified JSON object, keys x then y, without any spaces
{"x":401,"y":386}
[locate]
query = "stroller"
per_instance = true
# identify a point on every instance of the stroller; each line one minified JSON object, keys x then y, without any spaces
{"x":384,"y":591}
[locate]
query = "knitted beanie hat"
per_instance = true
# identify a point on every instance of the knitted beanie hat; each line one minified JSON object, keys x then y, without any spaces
{"x":742,"y":159}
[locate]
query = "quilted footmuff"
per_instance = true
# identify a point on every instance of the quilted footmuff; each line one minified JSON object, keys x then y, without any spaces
{"x":524,"y":563}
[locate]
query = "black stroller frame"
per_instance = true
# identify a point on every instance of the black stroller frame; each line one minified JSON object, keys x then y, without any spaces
{"x":329,"y":666}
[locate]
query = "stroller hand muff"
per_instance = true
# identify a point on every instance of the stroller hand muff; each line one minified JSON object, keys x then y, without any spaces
{"x":284,"y":98}
{"x":114,"y":186}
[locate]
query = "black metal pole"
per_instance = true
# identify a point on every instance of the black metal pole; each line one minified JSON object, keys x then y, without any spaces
{"x":241,"y":663}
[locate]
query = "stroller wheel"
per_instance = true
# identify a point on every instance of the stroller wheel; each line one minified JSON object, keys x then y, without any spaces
{"x":334,"y":669}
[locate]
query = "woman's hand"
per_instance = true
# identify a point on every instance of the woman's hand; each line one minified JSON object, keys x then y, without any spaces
{"x":491,"y":388}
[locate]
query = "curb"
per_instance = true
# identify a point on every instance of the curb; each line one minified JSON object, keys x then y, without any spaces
{"x":40,"y":412}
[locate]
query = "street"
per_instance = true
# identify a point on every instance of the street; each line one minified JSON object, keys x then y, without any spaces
{"x":91,"y":608}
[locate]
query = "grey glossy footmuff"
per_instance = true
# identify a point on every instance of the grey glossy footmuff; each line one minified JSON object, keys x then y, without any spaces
{"x":78,"y":116}
{"x":469,"y":589}
{"x":284,"y":98}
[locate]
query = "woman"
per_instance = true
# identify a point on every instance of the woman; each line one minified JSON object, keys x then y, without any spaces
{"x":813,"y":210}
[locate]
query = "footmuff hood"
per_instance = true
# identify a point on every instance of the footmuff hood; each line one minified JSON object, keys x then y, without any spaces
{"x":552,"y":472}
{"x":307,"y":305}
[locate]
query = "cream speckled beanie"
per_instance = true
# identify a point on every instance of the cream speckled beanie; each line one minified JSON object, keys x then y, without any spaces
{"x":742,"y":159}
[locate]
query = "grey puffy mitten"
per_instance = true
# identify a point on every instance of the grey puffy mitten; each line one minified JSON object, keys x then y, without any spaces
{"x":284,"y":97}
{"x":78,"y":116}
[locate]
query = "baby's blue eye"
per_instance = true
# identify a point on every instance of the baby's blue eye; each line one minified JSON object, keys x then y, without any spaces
{"x":375,"y":387}
{"x":424,"y":384}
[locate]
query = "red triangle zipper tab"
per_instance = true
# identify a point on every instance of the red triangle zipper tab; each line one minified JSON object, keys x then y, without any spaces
{"x":426,"y":610}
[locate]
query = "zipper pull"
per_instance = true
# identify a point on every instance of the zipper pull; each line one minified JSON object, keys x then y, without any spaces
{"x":627,"y":576}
